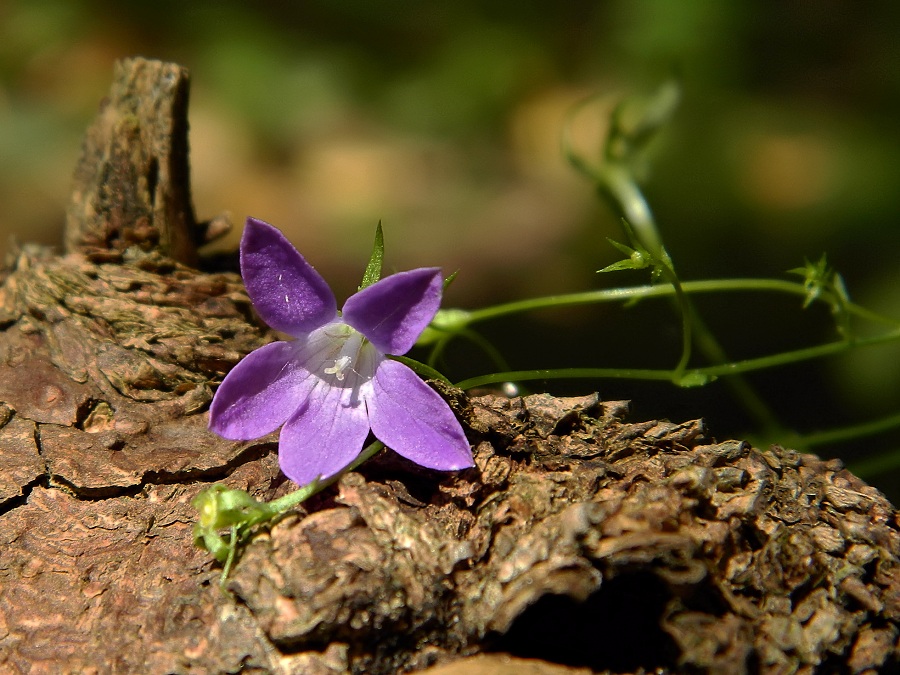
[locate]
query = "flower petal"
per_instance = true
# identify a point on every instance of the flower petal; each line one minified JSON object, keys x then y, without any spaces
{"x":393,"y":312}
{"x":325,"y":435}
{"x":414,"y":421}
{"x":288,"y":293}
{"x":259,"y":393}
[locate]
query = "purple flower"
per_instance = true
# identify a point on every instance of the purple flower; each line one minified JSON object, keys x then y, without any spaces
{"x":333,"y":382}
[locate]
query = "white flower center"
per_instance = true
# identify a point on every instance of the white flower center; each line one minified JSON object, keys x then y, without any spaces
{"x":341,"y":355}
{"x":340,"y":365}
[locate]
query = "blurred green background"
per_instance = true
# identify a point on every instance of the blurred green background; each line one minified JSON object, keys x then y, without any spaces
{"x":443,"y":120}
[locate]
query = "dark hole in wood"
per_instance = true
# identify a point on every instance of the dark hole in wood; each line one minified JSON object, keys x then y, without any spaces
{"x":617,"y":628}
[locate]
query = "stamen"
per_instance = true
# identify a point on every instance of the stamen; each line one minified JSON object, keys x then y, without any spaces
{"x":340,"y":365}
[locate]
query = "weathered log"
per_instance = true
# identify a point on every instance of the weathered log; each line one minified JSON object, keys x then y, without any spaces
{"x":579,"y":538}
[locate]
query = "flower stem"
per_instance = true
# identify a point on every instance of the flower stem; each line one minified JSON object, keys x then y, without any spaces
{"x":707,"y":344}
{"x":685,"y":311}
{"x":566,"y":374}
{"x":291,"y":499}
{"x":660,"y":290}
{"x":708,"y":372}
{"x":851,"y":432}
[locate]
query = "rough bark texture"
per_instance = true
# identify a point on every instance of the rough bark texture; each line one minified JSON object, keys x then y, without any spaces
{"x":579,"y":538}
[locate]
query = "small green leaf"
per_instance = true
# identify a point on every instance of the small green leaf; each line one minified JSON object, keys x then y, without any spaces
{"x":621,"y":265}
{"x":449,"y":280}
{"x":211,"y":541}
{"x":373,"y":269}
{"x":817,"y":277}
{"x":638,"y":259}
{"x":627,"y":250}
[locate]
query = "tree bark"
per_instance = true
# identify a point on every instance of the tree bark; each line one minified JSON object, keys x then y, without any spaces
{"x":579,"y":538}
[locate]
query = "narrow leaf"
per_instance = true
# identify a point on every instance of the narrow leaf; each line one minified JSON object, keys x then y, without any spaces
{"x":449,"y":280}
{"x":373,"y":269}
{"x":621,"y":265}
{"x":622,"y":248}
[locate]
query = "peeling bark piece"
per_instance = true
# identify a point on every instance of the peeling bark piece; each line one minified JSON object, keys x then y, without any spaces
{"x":20,"y":463}
{"x":106,"y":463}
{"x":548,"y":413}
{"x":503,"y":664}
{"x":131,"y":183}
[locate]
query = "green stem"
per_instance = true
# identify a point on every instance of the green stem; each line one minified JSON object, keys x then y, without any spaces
{"x":719,"y":370}
{"x":659,"y":291}
{"x":754,"y":404}
{"x":875,"y":466}
{"x":492,"y":352}
{"x":229,"y":561}
{"x":567,"y":374}
{"x":834,"y":436}
{"x":615,"y":182}
{"x":291,"y":499}
{"x":423,"y":370}
{"x":687,"y":316}
{"x":708,"y":345}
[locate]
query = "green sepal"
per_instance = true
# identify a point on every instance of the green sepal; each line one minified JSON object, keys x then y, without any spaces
{"x":222,"y":507}
{"x":449,"y":280}
{"x":638,"y":259}
{"x":422,"y":370}
{"x":816,"y":277}
{"x":211,"y":541}
{"x":445,"y":322}
{"x":373,"y":269}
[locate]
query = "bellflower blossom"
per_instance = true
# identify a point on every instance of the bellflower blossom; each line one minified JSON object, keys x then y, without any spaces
{"x":332,"y":383}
